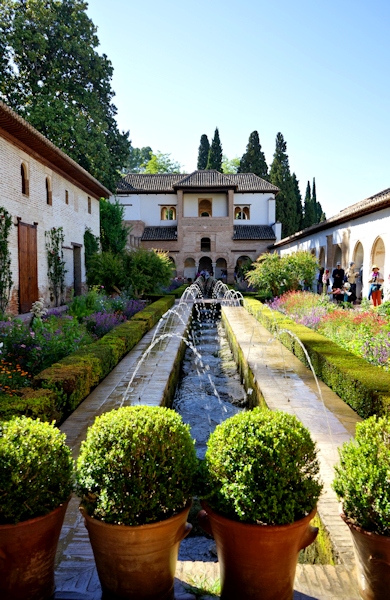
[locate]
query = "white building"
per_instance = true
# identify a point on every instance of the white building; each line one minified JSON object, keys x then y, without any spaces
{"x":41,"y":187}
{"x":205,"y":220}
{"x":359,"y":233}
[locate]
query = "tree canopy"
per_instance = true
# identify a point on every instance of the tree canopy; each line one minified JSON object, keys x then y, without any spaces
{"x":275,"y":274}
{"x":253,"y":161}
{"x":53,"y":77}
{"x":137,"y":159}
{"x":203,"y":152}
{"x":161,"y":163}
{"x":215,"y":155}
{"x":230,"y":165}
{"x":113,"y":232}
{"x":280,"y":176}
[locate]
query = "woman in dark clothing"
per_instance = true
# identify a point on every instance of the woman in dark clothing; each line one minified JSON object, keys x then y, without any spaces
{"x":338,"y":281}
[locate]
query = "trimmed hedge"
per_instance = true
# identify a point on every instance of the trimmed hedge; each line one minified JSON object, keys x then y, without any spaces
{"x":31,"y":403}
{"x":73,"y":378}
{"x":366,"y":388}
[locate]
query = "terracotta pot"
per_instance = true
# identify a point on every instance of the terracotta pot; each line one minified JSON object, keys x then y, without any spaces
{"x":138,"y":562}
{"x":372,"y":553}
{"x":27,"y":554}
{"x":257,"y":561}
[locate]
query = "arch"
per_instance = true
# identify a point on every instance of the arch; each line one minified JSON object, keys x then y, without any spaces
{"x":338,"y":257}
{"x":49,"y":197}
{"x":205,"y":244}
{"x":321,"y":257}
{"x":205,"y":209}
{"x":168,"y":213}
{"x":358,"y":255}
{"x":24,"y":178}
{"x":189,"y":268}
{"x":221,"y":269}
{"x":241,"y":212}
{"x":378,"y":254}
{"x":206,"y":264}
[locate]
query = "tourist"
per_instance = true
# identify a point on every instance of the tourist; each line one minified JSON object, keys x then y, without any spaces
{"x":338,"y":282}
{"x":375,"y":282}
{"x":320,"y":284}
{"x":351,"y":276}
{"x":325,"y":281}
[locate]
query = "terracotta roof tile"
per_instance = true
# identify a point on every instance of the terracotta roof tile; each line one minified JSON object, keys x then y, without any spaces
{"x":253,"y":232}
{"x":152,"y":234}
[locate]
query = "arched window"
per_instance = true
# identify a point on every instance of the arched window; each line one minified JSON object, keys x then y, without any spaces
{"x":205,"y":245}
{"x":241,"y":212}
{"x":49,"y":199}
{"x":205,"y":208}
{"x":168,"y":213}
{"x":23,"y":174}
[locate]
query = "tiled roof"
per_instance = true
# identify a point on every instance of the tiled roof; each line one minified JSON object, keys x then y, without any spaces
{"x":364,"y":207}
{"x":152,"y":234}
{"x":253,"y":232}
{"x":169,"y":182}
{"x":15,"y":126}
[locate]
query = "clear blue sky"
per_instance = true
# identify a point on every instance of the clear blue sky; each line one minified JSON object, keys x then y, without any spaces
{"x":318,"y":72}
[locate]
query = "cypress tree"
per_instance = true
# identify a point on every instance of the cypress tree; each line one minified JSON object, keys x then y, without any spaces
{"x":298,"y":198}
{"x":215,"y":155}
{"x":203,"y":152}
{"x":309,"y":217}
{"x":281,"y":177}
{"x":253,"y":161}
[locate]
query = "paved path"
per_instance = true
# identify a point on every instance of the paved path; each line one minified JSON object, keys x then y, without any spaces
{"x":285,"y":384}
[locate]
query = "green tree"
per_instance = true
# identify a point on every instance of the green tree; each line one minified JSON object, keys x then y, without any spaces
{"x":253,"y":161}
{"x":113,"y":232}
{"x":309,"y":217}
{"x":146,"y":271}
{"x":281,"y":177}
{"x":298,"y":199}
{"x":275,"y":274}
{"x":320,"y":215}
{"x":230,"y":165}
{"x":203,"y":152}
{"x":57,"y":81}
{"x":214,"y":160}
{"x":137,"y":159}
{"x":106,"y":269}
{"x":161,"y":163}
{"x":5,"y":259}
{"x":91,"y":246}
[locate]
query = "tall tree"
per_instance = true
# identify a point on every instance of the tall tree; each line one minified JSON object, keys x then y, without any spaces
{"x":215,"y":155}
{"x":309,"y":217}
{"x":162,"y":163}
{"x":203,"y":152}
{"x":320,"y":215}
{"x":57,"y":81}
{"x":298,"y":199}
{"x":281,"y":177}
{"x":137,"y":159}
{"x":230,"y":165}
{"x":253,"y":161}
{"x":113,"y":232}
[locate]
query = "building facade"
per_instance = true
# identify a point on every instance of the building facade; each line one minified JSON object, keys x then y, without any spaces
{"x":41,"y":187}
{"x":360,"y":233}
{"x":205,"y":220}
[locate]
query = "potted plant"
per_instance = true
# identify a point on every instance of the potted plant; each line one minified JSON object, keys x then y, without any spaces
{"x":135,"y":477}
{"x":36,"y":471}
{"x":362,"y":483}
{"x":261,"y":487}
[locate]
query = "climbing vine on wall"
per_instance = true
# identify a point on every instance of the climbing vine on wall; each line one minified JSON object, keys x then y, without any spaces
{"x":55,"y":260}
{"x":5,"y":259}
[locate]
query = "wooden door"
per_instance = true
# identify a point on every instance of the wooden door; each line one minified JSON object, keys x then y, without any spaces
{"x":28,"y":266}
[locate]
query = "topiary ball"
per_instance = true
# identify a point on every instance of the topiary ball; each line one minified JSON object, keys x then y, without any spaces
{"x":362,"y":478}
{"x":36,"y":469}
{"x":136,"y":466}
{"x":261,"y":467}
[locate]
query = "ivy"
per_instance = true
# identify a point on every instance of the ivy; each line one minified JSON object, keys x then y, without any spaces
{"x":55,"y":261}
{"x":5,"y":259}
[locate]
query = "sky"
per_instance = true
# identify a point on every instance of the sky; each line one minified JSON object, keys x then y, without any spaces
{"x":316,"y":71}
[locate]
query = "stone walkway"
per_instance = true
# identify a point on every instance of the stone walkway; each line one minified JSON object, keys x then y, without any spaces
{"x":285,"y":384}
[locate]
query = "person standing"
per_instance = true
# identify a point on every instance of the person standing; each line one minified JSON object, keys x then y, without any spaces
{"x":338,"y":282}
{"x":376,"y":286}
{"x":352,"y":274}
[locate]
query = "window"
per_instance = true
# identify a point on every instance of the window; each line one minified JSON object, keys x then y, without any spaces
{"x":23,"y":174}
{"x":241,"y":212}
{"x":49,"y":198}
{"x":168,"y":213}
{"x":89,"y":205}
{"x":205,"y":245}
{"x":204,"y":207}
{"x":66,"y":197}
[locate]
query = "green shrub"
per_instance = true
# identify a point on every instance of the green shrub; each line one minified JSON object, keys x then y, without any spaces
{"x":36,"y":469}
{"x":37,"y":404}
{"x":136,"y":466}
{"x":261,"y":467}
{"x":362,"y":479}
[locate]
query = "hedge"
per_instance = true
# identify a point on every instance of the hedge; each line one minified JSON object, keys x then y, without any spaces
{"x":366,"y":388}
{"x":60,"y":388}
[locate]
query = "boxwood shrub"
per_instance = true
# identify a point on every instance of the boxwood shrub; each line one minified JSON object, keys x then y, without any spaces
{"x":261,"y":467}
{"x":362,"y":479}
{"x":136,"y":466}
{"x":365,"y":387}
{"x":36,"y":469}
